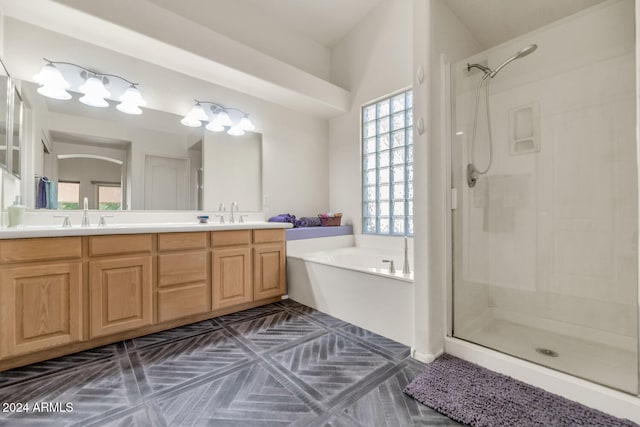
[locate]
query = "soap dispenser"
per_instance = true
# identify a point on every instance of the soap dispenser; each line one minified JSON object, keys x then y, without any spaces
{"x":16,"y":212}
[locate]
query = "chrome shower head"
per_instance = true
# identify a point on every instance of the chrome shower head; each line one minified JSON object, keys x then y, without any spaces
{"x":520,"y":54}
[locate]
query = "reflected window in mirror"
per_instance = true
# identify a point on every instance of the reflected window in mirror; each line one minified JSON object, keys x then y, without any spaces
{"x":109,"y":196}
{"x":68,"y":195}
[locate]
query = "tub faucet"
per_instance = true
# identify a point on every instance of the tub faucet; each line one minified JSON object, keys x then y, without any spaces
{"x":85,"y":213}
{"x":233,"y":204}
{"x":405,"y":267}
{"x":392,"y":268}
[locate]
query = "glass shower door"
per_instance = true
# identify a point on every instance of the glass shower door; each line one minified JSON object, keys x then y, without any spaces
{"x":545,"y":242}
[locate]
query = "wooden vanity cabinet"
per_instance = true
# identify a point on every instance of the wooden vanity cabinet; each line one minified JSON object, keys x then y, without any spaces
{"x":59,"y":295}
{"x":183,"y":285}
{"x":40,"y":294}
{"x":231,"y":268}
{"x":120,"y":286}
{"x":269,"y":264}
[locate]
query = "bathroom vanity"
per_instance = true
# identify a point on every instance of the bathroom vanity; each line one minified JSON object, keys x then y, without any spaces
{"x":90,"y":287}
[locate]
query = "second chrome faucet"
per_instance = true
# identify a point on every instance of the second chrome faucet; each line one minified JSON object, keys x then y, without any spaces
{"x":85,"y":213}
{"x":232,"y":216}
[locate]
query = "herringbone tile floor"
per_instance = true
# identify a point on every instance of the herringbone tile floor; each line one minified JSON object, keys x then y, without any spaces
{"x":284,"y":364}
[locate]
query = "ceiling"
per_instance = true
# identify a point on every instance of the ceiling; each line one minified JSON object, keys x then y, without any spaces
{"x":493,"y":22}
{"x":324,"y":21}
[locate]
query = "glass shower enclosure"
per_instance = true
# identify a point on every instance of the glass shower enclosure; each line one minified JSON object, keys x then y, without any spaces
{"x":545,"y":256}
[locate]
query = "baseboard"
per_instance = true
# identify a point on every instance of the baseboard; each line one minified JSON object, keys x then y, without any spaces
{"x":605,"y":399}
{"x":425,"y":358}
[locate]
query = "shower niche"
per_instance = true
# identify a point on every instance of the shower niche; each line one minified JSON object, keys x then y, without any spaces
{"x":523,"y":129}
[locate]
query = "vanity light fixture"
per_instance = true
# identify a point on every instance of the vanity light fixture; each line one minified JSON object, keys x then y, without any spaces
{"x":57,"y":77}
{"x":219,"y":118}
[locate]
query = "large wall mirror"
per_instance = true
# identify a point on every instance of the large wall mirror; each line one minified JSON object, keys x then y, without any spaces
{"x":145,"y":162}
{"x":120,"y":161}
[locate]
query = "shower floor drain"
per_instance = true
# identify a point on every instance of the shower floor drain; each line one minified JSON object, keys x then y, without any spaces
{"x":547,"y":352}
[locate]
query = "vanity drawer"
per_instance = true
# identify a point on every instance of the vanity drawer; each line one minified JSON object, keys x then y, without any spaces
{"x":175,"y":303}
{"x":50,"y":248}
{"x":182,"y":268}
{"x":120,"y":244}
{"x":179,"y":241}
{"x":230,"y":238}
{"x":268,"y":236}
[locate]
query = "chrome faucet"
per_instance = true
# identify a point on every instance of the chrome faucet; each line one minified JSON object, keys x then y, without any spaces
{"x":236,"y":206}
{"x":405,"y":266}
{"x":66,"y":223}
{"x":103,"y":220}
{"x":85,"y":213}
{"x":392,"y":268}
{"x":221,"y":209}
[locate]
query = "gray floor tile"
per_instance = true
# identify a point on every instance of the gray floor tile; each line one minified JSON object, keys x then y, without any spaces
{"x":288,"y":303}
{"x":135,"y":417}
{"x":275,"y":330}
{"x":97,"y":390}
{"x":174,"y":334}
{"x":387,"y":406}
{"x":60,"y":364}
{"x":386,"y":345}
{"x":247,"y":397}
{"x":249,"y":314}
{"x":319,"y":316}
{"x":330,"y":364}
{"x":281,"y":364}
{"x":160,"y":368}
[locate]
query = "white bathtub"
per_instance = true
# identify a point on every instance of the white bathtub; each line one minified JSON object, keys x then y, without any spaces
{"x":353,"y":284}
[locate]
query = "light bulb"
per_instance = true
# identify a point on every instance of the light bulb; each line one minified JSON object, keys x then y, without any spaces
{"x":53,"y":84}
{"x":222,"y":119}
{"x":235,"y":131}
{"x":94,"y":93}
{"x":191,"y":122}
{"x":245,"y":123}
{"x":131,"y":100}
{"x":198,"y":113}
{"x":54,"y":92}
{"x":214,"y":127}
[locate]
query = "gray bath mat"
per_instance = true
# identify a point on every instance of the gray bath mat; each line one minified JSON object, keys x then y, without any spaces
{"x":476,"y":396}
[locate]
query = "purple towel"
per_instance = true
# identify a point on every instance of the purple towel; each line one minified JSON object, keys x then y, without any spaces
{"x":312,"y":221}
{"x":285,"y":218}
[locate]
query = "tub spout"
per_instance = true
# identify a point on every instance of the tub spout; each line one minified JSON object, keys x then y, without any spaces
{"x":406,"y":269}
{"x":392,"y":268}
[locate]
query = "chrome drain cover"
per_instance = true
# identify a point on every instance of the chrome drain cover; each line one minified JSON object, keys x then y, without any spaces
{"x":547,"y":352}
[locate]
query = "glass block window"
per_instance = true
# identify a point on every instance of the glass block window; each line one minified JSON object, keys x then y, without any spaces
{"x":387,"y":166}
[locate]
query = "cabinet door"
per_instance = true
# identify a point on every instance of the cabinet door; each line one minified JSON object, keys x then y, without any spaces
{"x":231,"y":276}
{"x":269,"y":271}
{"x":120,"y":294}
{"x":41,"y":307}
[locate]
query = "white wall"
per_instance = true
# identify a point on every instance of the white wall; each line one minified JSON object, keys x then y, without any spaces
{"x":372,"y":61}
{"x":247,"y":24}
{"x":437,"y":32}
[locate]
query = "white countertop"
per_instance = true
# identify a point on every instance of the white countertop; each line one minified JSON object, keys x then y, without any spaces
{"x":59,"y":231}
